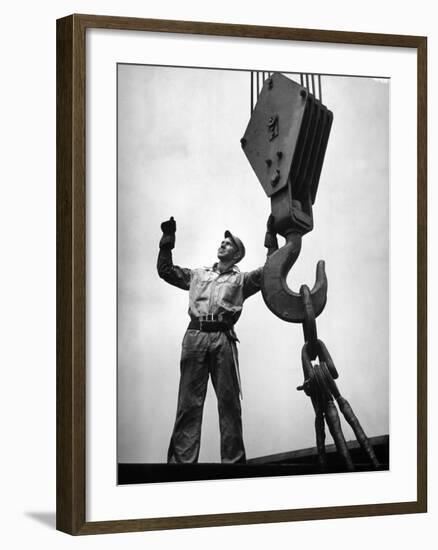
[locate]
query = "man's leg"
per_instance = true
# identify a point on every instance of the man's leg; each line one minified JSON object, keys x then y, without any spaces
{"x":186,"y":436}
{"x":223,"y":376}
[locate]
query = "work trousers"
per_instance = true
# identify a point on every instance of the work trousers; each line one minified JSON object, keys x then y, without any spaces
{"x":204,"y":354}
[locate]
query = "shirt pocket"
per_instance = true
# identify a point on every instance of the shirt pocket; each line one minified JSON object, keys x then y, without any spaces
{"x":230,"y":293}
{"x":200,"y":290}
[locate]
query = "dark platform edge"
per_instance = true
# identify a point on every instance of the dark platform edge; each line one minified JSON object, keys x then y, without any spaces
{"x":300,"y":462}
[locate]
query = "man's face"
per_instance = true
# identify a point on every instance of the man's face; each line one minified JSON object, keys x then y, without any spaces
{"x":227,"y":250}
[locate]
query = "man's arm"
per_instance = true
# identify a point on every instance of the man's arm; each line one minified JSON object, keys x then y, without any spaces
{"x":172,"y":274}
{"x":253,"y":279}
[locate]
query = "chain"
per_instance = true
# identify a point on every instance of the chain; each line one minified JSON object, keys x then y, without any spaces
{"x":319,"y":384}
{"x":318,"y":378}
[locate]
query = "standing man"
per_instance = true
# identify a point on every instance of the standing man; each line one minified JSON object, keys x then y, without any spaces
{"x":216,"y":296}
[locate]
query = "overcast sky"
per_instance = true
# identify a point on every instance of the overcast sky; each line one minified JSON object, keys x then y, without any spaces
{"x":179,"y":154}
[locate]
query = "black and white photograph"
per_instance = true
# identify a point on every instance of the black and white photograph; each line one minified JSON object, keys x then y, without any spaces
{"x":220,"y":254}
{"x":252,"y":273}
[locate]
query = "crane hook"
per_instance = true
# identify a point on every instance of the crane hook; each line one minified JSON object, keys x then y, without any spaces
{"x":280,"y":299}
{"x":285,"y":143}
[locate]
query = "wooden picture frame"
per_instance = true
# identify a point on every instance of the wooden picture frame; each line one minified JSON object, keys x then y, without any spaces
{"x":71,"y":273}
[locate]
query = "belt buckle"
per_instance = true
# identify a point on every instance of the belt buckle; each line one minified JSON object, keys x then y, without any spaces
{"x":207,"y":319}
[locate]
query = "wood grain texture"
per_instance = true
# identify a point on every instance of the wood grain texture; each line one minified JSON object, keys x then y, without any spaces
{"x":70,"y":276}
{"x":248,"y":31}
{"x":247,"y":518}
{"x":71,"y":269}
{"x":422,"y":275}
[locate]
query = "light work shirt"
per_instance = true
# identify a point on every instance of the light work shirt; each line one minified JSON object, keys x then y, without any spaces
{"x":211,"y":292}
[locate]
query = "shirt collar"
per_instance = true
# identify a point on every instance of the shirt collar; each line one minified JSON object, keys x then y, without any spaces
{"x":233,"y":268}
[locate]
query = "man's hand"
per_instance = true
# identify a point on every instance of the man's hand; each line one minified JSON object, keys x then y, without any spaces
{"x":270,"y":225}
{"x":169,"y":229}
{"x":169,"y":226}
{"x":271,"y":242}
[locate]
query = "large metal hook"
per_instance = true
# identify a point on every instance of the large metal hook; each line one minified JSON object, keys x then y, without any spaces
{"x":280,"y":299}
{"x":285,"y":142}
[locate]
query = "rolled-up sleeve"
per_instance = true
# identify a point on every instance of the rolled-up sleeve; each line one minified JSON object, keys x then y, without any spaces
{"x":172,"y":274}
{"x":252,"y":282}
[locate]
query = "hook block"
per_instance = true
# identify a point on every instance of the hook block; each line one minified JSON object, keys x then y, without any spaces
{"x":290,"y":125}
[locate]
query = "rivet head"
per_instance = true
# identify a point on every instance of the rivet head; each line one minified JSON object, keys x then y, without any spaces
{"x":276,"y":178}
{"x":243,"y":142}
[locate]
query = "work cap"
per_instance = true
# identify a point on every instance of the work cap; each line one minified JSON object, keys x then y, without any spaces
{"x":237,"y":243}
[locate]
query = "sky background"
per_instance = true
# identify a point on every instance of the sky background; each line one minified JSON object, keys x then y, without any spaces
{"x":179,"y":154}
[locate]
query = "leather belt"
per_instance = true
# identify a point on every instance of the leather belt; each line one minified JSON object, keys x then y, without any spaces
{"x":209,"y":323}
